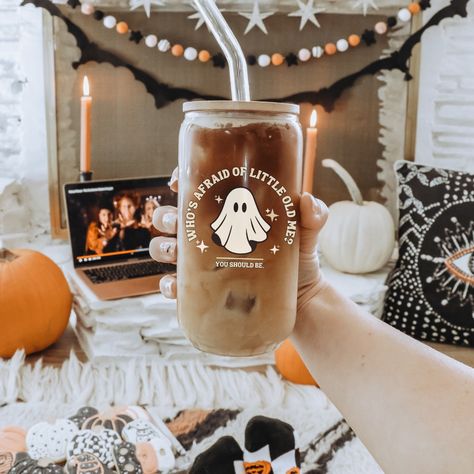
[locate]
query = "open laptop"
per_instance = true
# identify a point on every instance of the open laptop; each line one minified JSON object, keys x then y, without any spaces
{"x":110,"y":228}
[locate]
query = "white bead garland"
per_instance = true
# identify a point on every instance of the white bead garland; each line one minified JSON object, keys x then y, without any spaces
{"x":190,"y":54}
{"x":151,"y":41}
{"x":342,"y":45}
{"x":317,"y":52}
{"x":87,"y":8}
{"x":404,"y":15}
{"x":164,"y":45}
{"x":264,"y":60}
{"x":304,"y":54}
{"x":110,"y":21}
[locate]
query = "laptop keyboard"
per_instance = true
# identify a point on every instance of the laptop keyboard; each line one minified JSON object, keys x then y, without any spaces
{"x":128,"y":271}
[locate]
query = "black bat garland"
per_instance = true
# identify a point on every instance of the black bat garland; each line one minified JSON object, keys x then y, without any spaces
{"x":326,"y":96}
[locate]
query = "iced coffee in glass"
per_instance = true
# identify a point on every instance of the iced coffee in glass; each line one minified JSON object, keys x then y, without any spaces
{"x":240,"y":166}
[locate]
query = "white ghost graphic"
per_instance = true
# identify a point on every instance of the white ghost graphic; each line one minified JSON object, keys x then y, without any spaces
{"x":240,"y":226}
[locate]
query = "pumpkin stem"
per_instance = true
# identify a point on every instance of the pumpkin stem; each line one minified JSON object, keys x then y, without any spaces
{"x":7,"y":256}
{"x":348,"y":180}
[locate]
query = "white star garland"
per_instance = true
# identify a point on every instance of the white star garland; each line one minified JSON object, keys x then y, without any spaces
{"x":200,"y":20}
{"x":365,"y":4}
{"x":256,"y":18}
{"x":146,"y":4}
{"x":307,"y":12}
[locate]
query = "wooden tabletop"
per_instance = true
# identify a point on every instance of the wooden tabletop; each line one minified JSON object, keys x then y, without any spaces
{"x":59,"y":352}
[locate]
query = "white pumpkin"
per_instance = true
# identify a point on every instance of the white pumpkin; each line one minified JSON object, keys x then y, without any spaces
{"x":359,"y":236}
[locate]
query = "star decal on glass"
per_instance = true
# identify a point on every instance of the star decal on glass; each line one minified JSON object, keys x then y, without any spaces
{"x":307,"y":12}
{"x":275,"y":249}
{"x":256,"y":18}
{"x":271,"y":214}
{"x":202,"y":246}
{"x":146,"y":4}
{"x":218,"y":199}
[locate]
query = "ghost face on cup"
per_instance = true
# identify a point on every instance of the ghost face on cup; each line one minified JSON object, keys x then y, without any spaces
{"x":240,"y":226}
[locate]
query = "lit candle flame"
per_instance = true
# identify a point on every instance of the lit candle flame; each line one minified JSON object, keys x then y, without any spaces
{"x":85,"y":86}
{"x":314,"y":118}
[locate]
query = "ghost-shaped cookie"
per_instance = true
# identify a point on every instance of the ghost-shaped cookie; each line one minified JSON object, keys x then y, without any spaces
{"x":240,"y":226}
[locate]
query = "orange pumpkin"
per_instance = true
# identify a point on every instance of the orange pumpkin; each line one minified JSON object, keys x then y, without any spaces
{"x":35,"y":301}
{"x":291,"y":366}
{"x":12,"y":439}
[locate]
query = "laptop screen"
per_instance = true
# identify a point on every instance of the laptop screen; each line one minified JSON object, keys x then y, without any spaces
{"x":112,"y":220}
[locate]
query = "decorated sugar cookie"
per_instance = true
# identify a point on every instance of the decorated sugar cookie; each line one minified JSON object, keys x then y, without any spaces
{"x":155,"y":456}
{"x":125,"y":459}
{"x":141,"y":431}
{"x":99,"y":443}
{"x":112,"y":419}
{"x":13,"y":439}
{"x":50,"y":440}
{"x":82,"y":415}
{"x":24,"y":464}
{"x":85,"y":463}
{"x":7,"y":460}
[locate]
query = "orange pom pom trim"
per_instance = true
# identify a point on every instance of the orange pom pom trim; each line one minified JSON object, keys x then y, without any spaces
{"x":330,"y":49}
{"x":122,"y":27}
{"x":177,"y":50}
{"x":354,"y":40}
{"x":277,"y":59}
{"x":414,"y":8}
{"x":204,"y":56}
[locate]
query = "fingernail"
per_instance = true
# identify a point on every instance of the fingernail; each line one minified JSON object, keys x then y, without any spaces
{"x":169,"y":221}
{"x":167,"y":249}
{"x":315,"y":204}
{"x":166,"y":285}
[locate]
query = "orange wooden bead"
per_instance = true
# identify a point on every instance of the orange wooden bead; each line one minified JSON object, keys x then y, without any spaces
{"x":204,"y":56}
{"x":330,"y":49}
{"x":414,"y":8}
{"x":277,"y":59}
{"x":354,"y":40}
{"x":122,"y":27}
{"x":177,"y":50}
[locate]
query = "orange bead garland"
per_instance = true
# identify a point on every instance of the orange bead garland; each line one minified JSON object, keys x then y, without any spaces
{"x":354,"y":40}
{"x":122,"y":27}
{"x":330,"y":49}
{"x":277,"y":59}
{"x":177,"y":50}
{"x":414,"y":8}
{"x":204,"y":56}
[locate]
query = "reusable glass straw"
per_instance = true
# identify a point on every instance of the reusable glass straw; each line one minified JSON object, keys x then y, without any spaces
{"x":239,"y":79}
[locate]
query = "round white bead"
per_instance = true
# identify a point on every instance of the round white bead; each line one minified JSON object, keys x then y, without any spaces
{"x":190,"y":54}
{"x":264,"y":60}
{"x":110,"y":21}
{"x":317,"y":52}
{"x":87,"y":8}
{"x":164,"y":45}
{"x":404,"y":15}
{"x":342,"y":45}
{"x":304,"y":54}
{"x":151,"y":41}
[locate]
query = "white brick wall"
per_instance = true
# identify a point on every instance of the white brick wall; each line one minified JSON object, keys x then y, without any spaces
{"x":445,"y":132}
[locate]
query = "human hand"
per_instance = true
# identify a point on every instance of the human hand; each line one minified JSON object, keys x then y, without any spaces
{"x":313,"y":217}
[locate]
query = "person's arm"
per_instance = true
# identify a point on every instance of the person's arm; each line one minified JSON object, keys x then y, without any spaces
{"x":410,"y":405}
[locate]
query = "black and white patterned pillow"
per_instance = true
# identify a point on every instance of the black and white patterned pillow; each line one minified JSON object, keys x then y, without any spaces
{"x":431,"y":289}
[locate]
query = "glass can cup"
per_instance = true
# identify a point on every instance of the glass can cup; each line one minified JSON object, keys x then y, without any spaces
{"x":240,"y":173}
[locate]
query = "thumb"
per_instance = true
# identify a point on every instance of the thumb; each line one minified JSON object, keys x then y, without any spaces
{"x":314,"y":214}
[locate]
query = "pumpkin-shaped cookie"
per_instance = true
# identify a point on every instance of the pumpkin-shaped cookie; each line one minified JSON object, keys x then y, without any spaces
{"x":49,"y":440}
{"x":13,"y":439}
{"x":112,"y":419}
{"x":24,"y":464}
{"x":99,"y":443}
{"x":82,"y":415}
{"x":85,"y":463}
{"x":141,"y":431}
{"x":7,"y":460}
